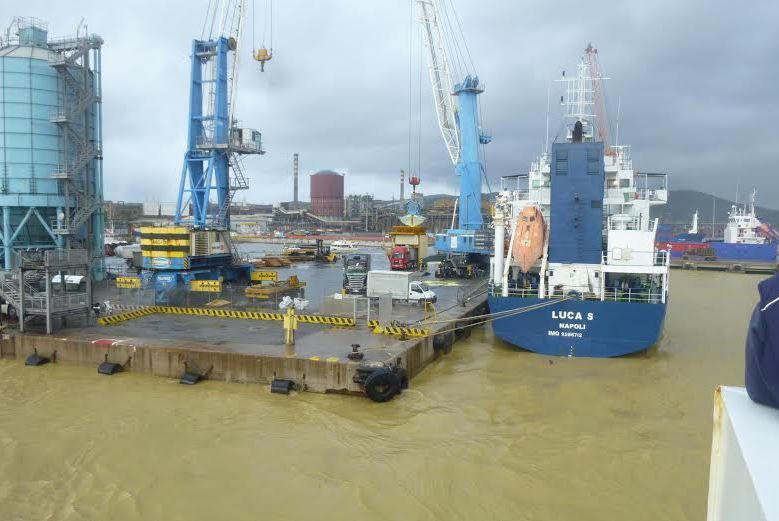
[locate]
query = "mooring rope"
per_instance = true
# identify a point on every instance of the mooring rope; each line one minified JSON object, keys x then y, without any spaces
{"x":489,"y":317}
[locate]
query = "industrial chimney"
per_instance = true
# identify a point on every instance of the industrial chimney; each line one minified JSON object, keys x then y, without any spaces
{"x":402,"y":175}
{"x":295,"y":181}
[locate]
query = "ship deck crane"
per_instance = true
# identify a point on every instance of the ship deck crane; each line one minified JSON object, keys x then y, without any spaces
{"x":457,"y":109}
{"x":598,"y":96}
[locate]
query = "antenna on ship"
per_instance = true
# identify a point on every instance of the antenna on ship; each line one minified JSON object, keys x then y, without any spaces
{"x":548,"y":93}
{"x":713,"y":212}
{"x":752,"y":205}
{"x":738,"y":183}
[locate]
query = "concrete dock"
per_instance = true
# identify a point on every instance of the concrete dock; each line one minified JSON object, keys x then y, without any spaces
{"x":743,"y":266}
{"x":253,"y":351}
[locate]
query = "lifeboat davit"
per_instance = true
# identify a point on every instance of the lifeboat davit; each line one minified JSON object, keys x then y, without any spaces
{"x":529,"y":237}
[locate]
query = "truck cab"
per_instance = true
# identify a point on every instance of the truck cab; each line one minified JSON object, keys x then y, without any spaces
{"x":402,"y":259}
{"x":419,"y":291}
{"x":356,"y":267}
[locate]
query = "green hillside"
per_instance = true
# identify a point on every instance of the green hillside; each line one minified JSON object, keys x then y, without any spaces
{"x":683,"y":203}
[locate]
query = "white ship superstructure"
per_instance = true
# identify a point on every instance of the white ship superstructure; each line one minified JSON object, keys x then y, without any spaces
{"x":743,"y":225}
{"x":599,"y":240}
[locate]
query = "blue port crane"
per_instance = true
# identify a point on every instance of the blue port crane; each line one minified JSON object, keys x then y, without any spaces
{"x":212,"y":171}
{"x":457,"y":109}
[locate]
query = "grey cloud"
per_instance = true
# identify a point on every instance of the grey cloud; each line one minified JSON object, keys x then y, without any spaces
{"x":696,"y":81}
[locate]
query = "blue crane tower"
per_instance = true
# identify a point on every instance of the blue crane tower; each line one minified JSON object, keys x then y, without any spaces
{"x":198,"y":247}
{"x":457,"y":109}
{"x":215,"y":143}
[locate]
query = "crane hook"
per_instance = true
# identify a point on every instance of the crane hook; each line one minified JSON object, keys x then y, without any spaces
{"x":263,"y":55}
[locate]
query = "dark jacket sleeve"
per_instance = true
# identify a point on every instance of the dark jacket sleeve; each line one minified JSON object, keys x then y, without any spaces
{"x":758,"y":387}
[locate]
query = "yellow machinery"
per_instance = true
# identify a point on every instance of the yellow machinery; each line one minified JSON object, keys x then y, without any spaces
{"x":409,"y":247}
{"x":260,"y":291}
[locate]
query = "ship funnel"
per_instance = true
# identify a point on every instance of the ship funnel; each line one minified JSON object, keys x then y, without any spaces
{"x":578,"y":132}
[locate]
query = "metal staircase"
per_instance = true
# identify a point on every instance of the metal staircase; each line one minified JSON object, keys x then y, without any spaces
{"x":28,"y":288}
{"x":237,"y":182}
{"x":76,"y":119}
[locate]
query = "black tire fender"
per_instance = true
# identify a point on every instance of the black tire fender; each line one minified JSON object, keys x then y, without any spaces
{"x":382,"y":385}
{"x":467,"y":330}
{"x":402,"y":377}
{"x":442,"y":342}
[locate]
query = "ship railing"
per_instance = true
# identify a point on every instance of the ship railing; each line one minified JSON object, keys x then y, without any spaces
{"x":520,"y":195}
{"x":632,"y":223}
{"x":650,"y":195}
{"x":521,"y":292}
{"x":662,"y":258}
{"x":648,"y":296}
{"x":517,"y":180}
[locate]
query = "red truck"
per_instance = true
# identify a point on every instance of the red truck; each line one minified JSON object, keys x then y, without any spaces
{"x":403,"y":258}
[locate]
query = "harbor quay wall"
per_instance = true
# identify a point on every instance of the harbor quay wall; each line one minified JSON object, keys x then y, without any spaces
{"x":313,"y":375}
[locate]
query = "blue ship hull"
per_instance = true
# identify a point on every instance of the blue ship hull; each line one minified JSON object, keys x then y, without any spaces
{"x":579,"y":328}
{"x":743,"y":252}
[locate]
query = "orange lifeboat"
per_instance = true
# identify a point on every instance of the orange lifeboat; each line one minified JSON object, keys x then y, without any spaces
{"x":529,"y":238}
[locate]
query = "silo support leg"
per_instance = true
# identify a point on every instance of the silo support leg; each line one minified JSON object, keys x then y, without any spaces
{"x":7,"y":241}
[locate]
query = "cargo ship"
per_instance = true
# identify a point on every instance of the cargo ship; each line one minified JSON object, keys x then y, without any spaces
{"x":746,"y":240}
{"x":580,"y":275}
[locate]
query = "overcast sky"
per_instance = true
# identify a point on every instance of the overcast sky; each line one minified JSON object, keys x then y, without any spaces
{"x":697,"y":80}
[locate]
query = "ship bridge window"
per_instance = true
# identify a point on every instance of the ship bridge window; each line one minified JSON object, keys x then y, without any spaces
{"x":624,"y":183}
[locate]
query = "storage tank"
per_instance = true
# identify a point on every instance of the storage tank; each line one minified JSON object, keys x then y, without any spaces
{"x":327,"y":194}
{"x":51,"y":181}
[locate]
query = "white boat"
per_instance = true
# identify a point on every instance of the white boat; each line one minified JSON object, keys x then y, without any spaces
{"x":745,"y":228}
{"x":342,"y":246}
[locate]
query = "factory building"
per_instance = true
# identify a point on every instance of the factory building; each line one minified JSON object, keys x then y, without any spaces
{"x":51,"y":178}
{"x":327,"y":194}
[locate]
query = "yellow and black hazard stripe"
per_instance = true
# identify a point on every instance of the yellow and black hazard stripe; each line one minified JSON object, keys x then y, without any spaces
{"x":322,"y":319}
{"x":399,"y":331}
{"x":223,"y":313}
{"x":109,"y":320}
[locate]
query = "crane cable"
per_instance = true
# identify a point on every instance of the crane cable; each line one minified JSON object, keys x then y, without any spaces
{"x":410,"y":79}
{"x":268,"y":16}
{"x":268,"y":21}
{"x":205,"y":21}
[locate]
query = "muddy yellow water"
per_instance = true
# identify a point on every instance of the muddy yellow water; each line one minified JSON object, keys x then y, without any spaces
{"x":485,"y":433}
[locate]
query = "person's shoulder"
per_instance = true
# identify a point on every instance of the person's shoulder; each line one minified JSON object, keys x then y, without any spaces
{"x":769,"y":291}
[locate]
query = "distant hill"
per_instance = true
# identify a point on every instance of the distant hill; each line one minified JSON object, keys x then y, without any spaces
{"x":681,"y":205}
{"x":429,"y":200}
